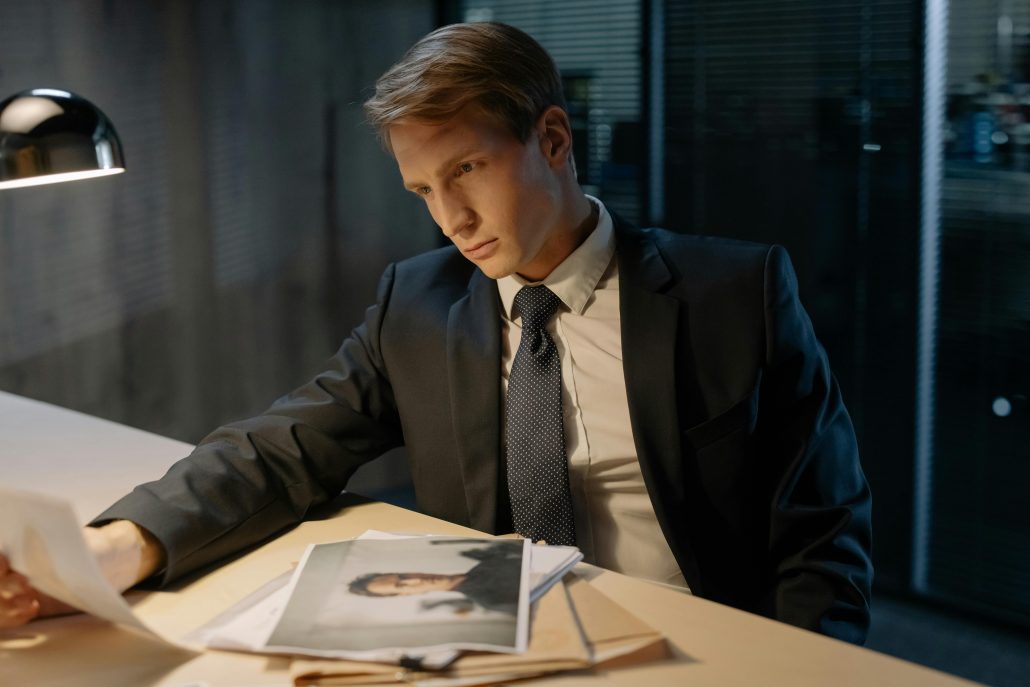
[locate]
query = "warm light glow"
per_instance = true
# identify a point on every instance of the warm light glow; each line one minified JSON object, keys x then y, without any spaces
{"x":57,"y":178}
{"x":25,"y":114}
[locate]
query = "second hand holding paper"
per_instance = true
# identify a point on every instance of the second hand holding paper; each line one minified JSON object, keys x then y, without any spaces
{"x":42,"y":539}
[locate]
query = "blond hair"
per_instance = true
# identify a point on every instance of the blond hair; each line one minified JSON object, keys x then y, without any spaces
{"x":496,"y":67}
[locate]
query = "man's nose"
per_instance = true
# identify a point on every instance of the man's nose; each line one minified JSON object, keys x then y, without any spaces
{"x":454,"y":215}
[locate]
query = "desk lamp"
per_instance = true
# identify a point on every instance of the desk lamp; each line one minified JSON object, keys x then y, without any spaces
{"x":48,"y":136}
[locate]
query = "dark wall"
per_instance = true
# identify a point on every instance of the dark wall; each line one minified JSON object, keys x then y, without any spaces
{"x":250,"y":230}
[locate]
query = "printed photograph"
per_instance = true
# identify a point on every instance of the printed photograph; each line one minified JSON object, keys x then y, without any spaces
{"x":431,"y":592}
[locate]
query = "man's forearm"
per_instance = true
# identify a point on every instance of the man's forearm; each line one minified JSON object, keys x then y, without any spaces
{"x":125,"y":552}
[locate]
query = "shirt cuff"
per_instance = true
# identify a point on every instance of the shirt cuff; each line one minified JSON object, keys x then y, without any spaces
{"x":118,"y":549}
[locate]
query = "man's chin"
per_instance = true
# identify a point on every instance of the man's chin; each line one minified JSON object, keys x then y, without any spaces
{"x":493,"y":268}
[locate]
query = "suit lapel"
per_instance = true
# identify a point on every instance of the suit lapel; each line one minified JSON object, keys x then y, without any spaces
{"x":474,"y":370}
{"x":650,"y":319}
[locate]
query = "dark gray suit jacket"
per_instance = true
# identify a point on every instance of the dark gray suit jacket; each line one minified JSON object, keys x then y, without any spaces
{"x":744,"y":442}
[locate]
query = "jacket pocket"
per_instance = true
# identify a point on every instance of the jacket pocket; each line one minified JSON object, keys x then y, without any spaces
{"x":740,"y":416}
{"x":723,"y":449}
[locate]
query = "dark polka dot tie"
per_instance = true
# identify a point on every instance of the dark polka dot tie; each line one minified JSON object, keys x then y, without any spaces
{"x":538,"y":473}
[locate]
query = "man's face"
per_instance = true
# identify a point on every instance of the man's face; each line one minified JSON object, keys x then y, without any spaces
{"x":406,"y":584}
{"x":496,"y":198}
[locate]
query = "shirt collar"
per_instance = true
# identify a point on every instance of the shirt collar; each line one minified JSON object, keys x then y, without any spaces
{"x":575,"y":279}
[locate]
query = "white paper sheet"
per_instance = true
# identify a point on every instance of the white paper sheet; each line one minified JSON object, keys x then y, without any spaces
{"x":42,"y":539}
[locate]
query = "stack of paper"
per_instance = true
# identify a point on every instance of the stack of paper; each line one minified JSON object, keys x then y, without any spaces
{"x":396,"y":599}
{"x":575,"y":627}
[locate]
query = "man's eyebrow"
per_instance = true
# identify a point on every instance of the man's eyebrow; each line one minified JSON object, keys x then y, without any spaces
{"x":471,"y":151}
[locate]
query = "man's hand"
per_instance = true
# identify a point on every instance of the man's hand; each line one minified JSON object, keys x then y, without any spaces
{"x":126,"y":554}
{"x":20,"y":603}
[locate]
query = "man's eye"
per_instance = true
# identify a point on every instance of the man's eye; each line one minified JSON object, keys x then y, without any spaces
{"x":423,"y":190}
{"x":466,"y":167}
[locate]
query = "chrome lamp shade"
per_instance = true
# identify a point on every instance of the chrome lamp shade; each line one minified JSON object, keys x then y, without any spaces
{"x":48,"y":136}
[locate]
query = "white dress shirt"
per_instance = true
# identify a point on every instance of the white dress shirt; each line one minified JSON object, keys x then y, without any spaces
{"x":616,"y":527}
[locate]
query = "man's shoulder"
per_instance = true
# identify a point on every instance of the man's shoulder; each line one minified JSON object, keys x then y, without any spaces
{"x":442,"y":267}
{"x":697,"y":259}
{"x":687,"y":244}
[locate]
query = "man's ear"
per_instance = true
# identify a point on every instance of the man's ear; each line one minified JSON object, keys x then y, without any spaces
{"x":555,"y":134}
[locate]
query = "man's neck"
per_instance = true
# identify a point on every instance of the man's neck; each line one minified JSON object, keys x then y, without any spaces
{"x":589,"y":221}
{"x":581,"y":220}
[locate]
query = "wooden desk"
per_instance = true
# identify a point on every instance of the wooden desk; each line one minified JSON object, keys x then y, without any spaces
{"x":91,"y":462}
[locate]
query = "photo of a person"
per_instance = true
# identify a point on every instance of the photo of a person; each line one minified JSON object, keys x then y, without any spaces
{"x":438,"y":592}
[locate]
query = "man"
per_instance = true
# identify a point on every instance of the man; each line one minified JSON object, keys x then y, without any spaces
{"x":658,"y":399}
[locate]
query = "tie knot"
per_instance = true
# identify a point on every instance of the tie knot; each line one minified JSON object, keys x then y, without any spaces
{"x":537,"y":305}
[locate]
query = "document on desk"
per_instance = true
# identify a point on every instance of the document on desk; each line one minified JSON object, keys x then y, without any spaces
{"x":41,"y":537}
{"x":357,"y":599}
{"x":251,"y":623}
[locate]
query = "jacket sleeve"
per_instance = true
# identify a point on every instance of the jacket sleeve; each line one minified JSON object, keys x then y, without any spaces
{"x":250,"y":479}
{"x":820,"y":512}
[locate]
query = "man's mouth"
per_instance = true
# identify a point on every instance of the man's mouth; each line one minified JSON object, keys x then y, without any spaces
{"x":481,"y":250}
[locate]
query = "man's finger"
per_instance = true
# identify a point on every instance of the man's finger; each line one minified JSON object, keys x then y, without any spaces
{"x":19,"y":612}
{"x":13,"y":585}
